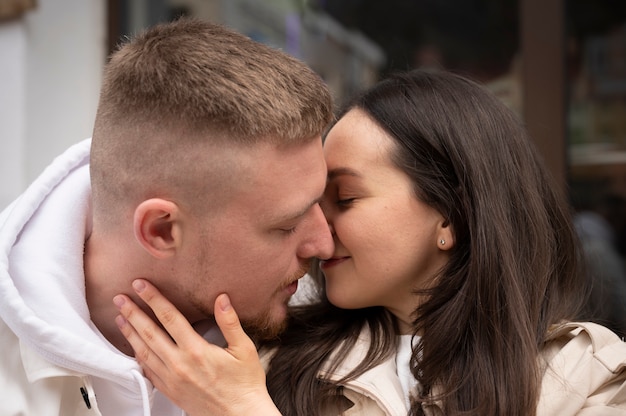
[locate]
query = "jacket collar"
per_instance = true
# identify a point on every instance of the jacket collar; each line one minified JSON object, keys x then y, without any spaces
{"x":380,"y":383}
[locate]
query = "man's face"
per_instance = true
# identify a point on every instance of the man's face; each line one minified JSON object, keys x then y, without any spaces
{"x":260,"y":242}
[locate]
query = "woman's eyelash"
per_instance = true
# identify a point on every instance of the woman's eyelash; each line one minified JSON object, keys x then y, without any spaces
{"x":343,"y":202}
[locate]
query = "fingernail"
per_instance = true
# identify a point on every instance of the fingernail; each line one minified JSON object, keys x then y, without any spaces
{"x":224,"y":302}
{"x":120,"y":321}
{"x":119,"y":301}
{"x":139,"y":286}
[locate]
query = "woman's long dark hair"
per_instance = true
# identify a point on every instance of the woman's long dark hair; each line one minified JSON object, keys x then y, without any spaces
{"x":513,"y":272}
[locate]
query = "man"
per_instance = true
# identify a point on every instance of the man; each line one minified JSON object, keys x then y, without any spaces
{"x":204,"y":174}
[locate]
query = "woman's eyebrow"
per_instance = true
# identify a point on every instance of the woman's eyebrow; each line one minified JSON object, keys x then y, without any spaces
{"x":334,"y":173}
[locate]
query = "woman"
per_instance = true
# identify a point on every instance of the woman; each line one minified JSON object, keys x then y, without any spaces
{"x":453,"y":286}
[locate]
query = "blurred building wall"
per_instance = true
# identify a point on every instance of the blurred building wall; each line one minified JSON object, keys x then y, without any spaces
{"x":50,"y":73}
{"x":53,"y":54}
{"x":346,"y":59}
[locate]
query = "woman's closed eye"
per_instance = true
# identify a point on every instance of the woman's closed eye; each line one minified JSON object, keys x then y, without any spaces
{"x":345,"y":202}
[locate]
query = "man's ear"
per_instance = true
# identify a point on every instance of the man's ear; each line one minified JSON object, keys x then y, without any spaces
{"x":157,"y":227}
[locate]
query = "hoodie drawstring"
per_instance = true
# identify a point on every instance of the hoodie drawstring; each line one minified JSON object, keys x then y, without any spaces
{"x":144,"y":393}
{"x":145,"y":397}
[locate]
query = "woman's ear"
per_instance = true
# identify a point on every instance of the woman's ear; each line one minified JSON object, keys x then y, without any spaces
{"x":157,"y":227}
{"x":445,"y":236}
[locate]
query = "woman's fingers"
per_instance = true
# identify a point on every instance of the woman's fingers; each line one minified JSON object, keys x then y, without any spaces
{"x":239,"y":344}
{"x":172,"y":320}
{"x":148,"y":338}
{"x":200,"y":377}
{"x":143,"y":348}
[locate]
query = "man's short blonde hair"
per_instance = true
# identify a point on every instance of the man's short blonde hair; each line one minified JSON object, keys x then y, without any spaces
{"x":192,"y":83}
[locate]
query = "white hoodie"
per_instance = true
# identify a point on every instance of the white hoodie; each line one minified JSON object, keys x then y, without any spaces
{"x":53,"y":360}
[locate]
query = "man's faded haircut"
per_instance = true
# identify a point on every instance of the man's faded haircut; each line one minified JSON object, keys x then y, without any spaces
{"x":188,"y":82}
{"x":205,"y":76}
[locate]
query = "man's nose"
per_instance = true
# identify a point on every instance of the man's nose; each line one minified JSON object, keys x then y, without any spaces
{"x":319,"y":241}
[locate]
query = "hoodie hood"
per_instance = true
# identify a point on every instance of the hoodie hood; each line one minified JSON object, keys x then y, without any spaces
{"x":42,"y":287}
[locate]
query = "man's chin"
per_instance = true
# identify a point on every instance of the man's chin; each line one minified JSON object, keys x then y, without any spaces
{"x":266,"y":327}
{"x":265,"y":332}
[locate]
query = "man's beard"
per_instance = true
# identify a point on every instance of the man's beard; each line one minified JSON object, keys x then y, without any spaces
{"x":264,"y":327}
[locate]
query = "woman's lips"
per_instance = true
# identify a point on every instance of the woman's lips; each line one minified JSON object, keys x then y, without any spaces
{"x":327,"y":264}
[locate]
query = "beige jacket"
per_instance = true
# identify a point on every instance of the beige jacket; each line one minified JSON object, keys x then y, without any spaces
{"x":376,"y":392}
{"x":586,"y":373}
{"x":586,"y":376}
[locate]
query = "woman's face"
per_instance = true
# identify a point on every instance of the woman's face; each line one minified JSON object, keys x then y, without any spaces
{"x":387,"y":242}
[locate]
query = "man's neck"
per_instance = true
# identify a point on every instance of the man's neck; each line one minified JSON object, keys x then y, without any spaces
{"x":102,"y":282}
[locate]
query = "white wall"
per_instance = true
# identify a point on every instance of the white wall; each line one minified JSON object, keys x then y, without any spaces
{"x":51,"y":61}
{"x":12,"y":109}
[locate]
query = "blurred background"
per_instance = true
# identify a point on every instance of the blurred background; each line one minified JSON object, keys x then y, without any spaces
{"x":560,"y":64}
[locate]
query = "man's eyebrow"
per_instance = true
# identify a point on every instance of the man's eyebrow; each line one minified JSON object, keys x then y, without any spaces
{"x":334,"y":173}
{"x":302,"y":212}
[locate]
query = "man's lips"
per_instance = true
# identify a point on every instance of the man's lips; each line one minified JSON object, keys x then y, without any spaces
{"x":291,"y":289}
{"x":327,"y":264}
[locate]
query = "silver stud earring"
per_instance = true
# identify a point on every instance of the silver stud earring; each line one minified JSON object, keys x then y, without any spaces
{"x":442,"y":242}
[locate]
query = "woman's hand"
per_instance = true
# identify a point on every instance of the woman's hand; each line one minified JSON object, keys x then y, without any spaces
{"x":201,"y":378}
